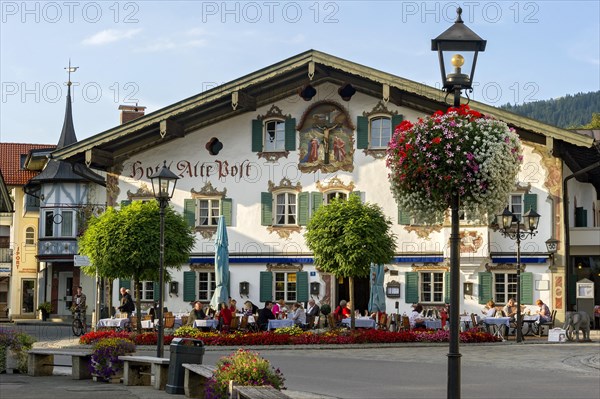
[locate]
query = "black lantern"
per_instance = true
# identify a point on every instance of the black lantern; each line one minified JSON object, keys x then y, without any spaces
{"x":458,"y":44}
{"x":552,"y":245}
{"x":531,"y":219}
{"x":163,"y":185}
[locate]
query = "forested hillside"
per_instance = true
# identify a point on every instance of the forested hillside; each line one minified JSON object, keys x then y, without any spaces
{"x":566,"y":112}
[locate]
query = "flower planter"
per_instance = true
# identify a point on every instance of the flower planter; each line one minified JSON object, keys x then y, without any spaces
{"x":111,"y":380}
{"x":12,"y":361}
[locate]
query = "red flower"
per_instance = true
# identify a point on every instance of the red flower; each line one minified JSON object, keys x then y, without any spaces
{"x":436,"y":140}
{"x":438,"y":113}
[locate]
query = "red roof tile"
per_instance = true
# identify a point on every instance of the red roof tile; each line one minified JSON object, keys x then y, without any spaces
{"x":10,"y":162}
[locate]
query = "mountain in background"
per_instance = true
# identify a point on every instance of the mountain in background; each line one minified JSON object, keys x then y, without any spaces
{"x":569,"y":111}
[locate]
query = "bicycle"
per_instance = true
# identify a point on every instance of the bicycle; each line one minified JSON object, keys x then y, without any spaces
{"x":78,"y":325}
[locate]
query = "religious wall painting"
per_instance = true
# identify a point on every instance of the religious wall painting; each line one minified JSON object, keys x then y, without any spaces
{"x":326,"y":139}
{"x":470,"y":241}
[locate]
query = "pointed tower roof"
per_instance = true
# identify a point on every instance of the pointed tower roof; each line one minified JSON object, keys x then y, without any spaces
{"x":67,"y":136}
{"x":62,"y":170}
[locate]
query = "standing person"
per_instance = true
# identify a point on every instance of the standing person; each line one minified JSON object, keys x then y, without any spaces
{"x":264,"y":315}
{"x":80,"y":305}
{"x":127,"y":306}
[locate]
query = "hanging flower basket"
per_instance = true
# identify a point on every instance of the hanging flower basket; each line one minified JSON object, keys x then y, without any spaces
{"x":458,"y":151}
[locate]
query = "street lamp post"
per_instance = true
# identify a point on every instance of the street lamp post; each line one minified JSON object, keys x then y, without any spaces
{"x":456,"y":38}
{"x":510,"y":226}
{"x":163,"y":186}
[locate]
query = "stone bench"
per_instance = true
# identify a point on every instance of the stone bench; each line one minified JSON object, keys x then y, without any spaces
{"x":138,"y":370}
{"x":196,"y":376}
{"x":40,"y":362}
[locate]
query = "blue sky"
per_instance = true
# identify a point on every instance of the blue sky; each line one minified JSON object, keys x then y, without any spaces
{"x":158,"y":52}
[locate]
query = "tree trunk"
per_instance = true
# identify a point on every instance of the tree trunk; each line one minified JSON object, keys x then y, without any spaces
{"x":351,"y":286}
{"x":138,"y":305}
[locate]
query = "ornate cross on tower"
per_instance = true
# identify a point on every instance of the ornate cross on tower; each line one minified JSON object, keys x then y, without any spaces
{"x":69,"y":70}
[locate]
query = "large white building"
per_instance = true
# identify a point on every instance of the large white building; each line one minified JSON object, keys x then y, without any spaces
{"x":267,"y":149}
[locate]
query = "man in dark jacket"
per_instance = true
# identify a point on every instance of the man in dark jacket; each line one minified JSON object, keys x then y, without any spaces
{"x":127,"y":306}
{"x":264,"y":315}
{"x":312,"y":312}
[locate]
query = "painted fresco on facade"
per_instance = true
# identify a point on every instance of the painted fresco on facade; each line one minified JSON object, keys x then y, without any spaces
{"x":326,"y":139}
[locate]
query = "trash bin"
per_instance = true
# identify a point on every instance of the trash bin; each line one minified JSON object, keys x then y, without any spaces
{"x":183,"y":350}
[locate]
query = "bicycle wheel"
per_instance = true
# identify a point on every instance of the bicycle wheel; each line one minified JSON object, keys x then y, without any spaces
{"x":77,"y":327}
{"x":526,"y":329}
{"x":536,"y":328}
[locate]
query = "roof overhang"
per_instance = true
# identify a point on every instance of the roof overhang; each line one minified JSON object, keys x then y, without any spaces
{"x":6,"y":202}
{"x":269,"y":85}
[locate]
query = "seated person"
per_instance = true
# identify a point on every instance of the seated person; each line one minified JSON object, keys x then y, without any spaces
{"x":264,"y":315}
{"x":233,"y":305}
{"x":196,"y":314}
{"x":415,"y":318}
{"x":490,"y":309}
{"x":298,"y":314}
{"x":510,"y":310}
{"x":250,"y":309}
{"x":224,"y":316}
{"x":543,"y":312}
{"x":341,"y":312}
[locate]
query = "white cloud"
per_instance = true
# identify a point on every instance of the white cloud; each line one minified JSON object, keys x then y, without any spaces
{"x":164,"y":44}
{"x":109,"y":36}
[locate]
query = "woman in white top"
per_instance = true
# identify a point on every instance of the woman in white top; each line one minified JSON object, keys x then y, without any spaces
{"x":415,"y":318}
{"x":298,"y":314}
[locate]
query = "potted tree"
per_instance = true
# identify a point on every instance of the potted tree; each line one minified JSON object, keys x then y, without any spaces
{"x":46,"y":309}
{"x":325,"y":310}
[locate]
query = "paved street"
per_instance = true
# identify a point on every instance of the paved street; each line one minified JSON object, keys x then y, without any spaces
{"x":503,"y":370}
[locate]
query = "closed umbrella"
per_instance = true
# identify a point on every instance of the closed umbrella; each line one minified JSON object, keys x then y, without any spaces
{"x":221,"y":293}
{"x":377,"y":297}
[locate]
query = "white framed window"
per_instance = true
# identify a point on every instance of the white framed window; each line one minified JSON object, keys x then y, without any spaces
{"x":285,"y":208}
{"x":285,"y":286}
{"x":331,"y":195}
{"x":64,"y":219}
{"x":29,"y":236}
{"x":147,"y":291}
{"x":380,"y":131}
{"x":505,"y":287}
{"x":274,"y":138}
{"x":516,"y":205}
{"x":432,"y":287}
{"x":206,"y":285}
{"x":208,"y":212}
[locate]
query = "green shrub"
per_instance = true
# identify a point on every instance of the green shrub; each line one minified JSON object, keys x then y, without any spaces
{"x":19,"y":343}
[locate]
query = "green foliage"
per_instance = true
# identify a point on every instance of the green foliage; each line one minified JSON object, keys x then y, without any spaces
{"x":45,"y":307}
{"x":294,"y":330}
{"x":19,"y":343}
{"x":594,"y":123}
{"x":346,"y":236}
{"x":566,"y":112}
{"x":325,"y":309}
{"x":125,"y":243}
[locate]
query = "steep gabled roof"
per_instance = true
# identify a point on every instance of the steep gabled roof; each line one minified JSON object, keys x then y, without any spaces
{"x":10,"y":162}
{"x":273,"y":83}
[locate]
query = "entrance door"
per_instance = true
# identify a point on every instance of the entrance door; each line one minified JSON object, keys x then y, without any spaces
{"x":361,"y":293}
{"x":65,"y":293}
{"x":27,"y":296}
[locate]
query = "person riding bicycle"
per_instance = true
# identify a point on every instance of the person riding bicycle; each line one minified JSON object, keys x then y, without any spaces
{"x":79,"y":302}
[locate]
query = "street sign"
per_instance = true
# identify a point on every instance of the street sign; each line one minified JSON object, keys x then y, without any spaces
{"x":81,"y":260}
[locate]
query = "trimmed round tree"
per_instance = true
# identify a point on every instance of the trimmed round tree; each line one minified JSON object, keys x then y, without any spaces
{"x":346,"y":236}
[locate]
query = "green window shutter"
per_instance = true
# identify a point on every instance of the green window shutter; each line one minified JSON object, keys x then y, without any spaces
{"x":396,"y":119}
{"x":189,"y":286}
{"x":446,"y":287}
{"x":155,"y":290}
{"x":124,"y":203}
{"x":303,"y":209}
{"x":362,"y":132}
{"x":302,"y":286}
{"x":358,"y":194}
{"x":266,"y":209}
{"x":189,"y":212}
{"x":317,"y":202}
{"x":266,"y":286}
{"x":290,"y":134}
{"x":125,"y":284}
{"x":403,"y":216}
{"x":485,"y":287}
{"x":412,"y":287}
{"x":226,"y":210}
{"x":529,"y":202}
{"x":580,"y":217}
{"x":257,"y":135}
{"x":526,"y":288}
